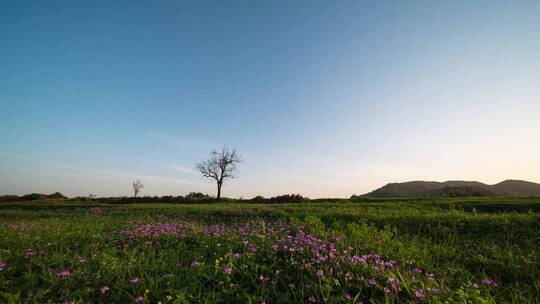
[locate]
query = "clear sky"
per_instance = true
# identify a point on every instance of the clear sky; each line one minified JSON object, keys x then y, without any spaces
{"x":321,"y":98}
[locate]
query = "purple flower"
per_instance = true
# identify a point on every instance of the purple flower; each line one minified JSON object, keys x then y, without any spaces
{"x":348,"y":296}
{"x":2,"y":265}
{"x":63,"y":274}
{"x":237,"y":255}
{"x":386,"y":290}
{"x":139,"y":299}
{"x":489,"y":282}
{"x":420,"y":294}
{"x":81,"y":260}
{"x":29,"y":253}
{"x":134,"y":280}
{"x":195,"y":264}
{"x":372,"y":282}
{"x":228,"y":270}
{"x":312,"y":299}
{"x":320,"y":273}
{"x":103,"y":290}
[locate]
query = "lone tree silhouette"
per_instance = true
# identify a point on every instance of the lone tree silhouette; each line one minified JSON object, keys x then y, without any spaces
{"x":220,"y":166}
{"x":137,"y":187}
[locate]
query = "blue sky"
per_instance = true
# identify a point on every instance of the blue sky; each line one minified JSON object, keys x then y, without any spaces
{"x":321,"y":98}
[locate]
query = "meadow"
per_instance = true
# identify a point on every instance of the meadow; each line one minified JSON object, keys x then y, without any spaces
{"x":467,"y":250}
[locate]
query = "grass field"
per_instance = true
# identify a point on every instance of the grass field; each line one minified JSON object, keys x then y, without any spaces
{"x":366,"y":251}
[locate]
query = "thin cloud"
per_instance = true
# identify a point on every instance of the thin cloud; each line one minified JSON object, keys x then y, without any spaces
{"x":99,"y":172}
{"x":175,"y":167}
{"x":182,"y":169}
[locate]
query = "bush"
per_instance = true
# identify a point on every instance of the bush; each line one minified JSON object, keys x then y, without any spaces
{"x":258,"y":199}
{"x":197,"y":196}
{"x":288,"y":198}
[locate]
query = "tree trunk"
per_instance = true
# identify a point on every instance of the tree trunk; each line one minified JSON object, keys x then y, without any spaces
{"x":218,"y":191}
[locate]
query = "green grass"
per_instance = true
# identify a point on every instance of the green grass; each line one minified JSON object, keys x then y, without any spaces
{"x":440,"y":251}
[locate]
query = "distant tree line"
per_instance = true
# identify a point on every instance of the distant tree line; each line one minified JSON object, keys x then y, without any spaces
{"x":201,"y":198}
{"x":191,"y":198}
{"x":32,"y":197}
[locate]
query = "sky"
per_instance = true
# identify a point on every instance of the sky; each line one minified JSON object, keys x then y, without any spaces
{"x":321,"y":98}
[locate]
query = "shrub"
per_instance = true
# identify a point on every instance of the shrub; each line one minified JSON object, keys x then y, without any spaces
{"x":288,"y":198}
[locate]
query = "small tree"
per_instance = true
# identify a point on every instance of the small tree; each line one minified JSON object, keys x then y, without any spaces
{"x":137,"y":187}
{"x":220,"y":166}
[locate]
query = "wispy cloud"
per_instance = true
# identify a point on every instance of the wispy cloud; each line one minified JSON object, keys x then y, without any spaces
{"x":176,"y":167}
{"x":99,"y":172}
{"x":182,"y":169}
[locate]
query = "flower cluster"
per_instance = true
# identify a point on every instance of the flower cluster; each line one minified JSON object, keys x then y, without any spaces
{"x":259,"y":257}
{"x":155,"y":230}
{"x":63,"y":273}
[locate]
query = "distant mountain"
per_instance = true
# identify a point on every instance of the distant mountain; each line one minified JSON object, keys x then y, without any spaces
{"x":455,"y":189}
{"x":518,"y":187}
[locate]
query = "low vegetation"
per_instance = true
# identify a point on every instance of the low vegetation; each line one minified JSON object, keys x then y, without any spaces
{"x":474,"y":250}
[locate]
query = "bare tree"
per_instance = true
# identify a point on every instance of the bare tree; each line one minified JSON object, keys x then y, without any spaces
{"x":220,"y":166}
{"x":137,"y":187}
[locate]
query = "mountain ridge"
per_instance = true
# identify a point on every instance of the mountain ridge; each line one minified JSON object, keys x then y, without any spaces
{"x":455,"y":188}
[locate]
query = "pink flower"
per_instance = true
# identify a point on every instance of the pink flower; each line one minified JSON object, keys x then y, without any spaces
{"x":29,"y":253}
{"x":2,"y":265}
{"x":237,"y":255}
{"x":139,"y":299}
{"x":320,"y":273}
{"x":134,"y":280}
{"x":372,"y":282}
{"x":81,"y":260}
{"x":104,"y":289}
{"x":312,"y":299}
{"x":489,"y":282}
{"x":63,"y":274}
{"x":348,"y":296}
{"x":420,"y":294}
{"x":228,"y":270}
{"x":195,"y":264}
